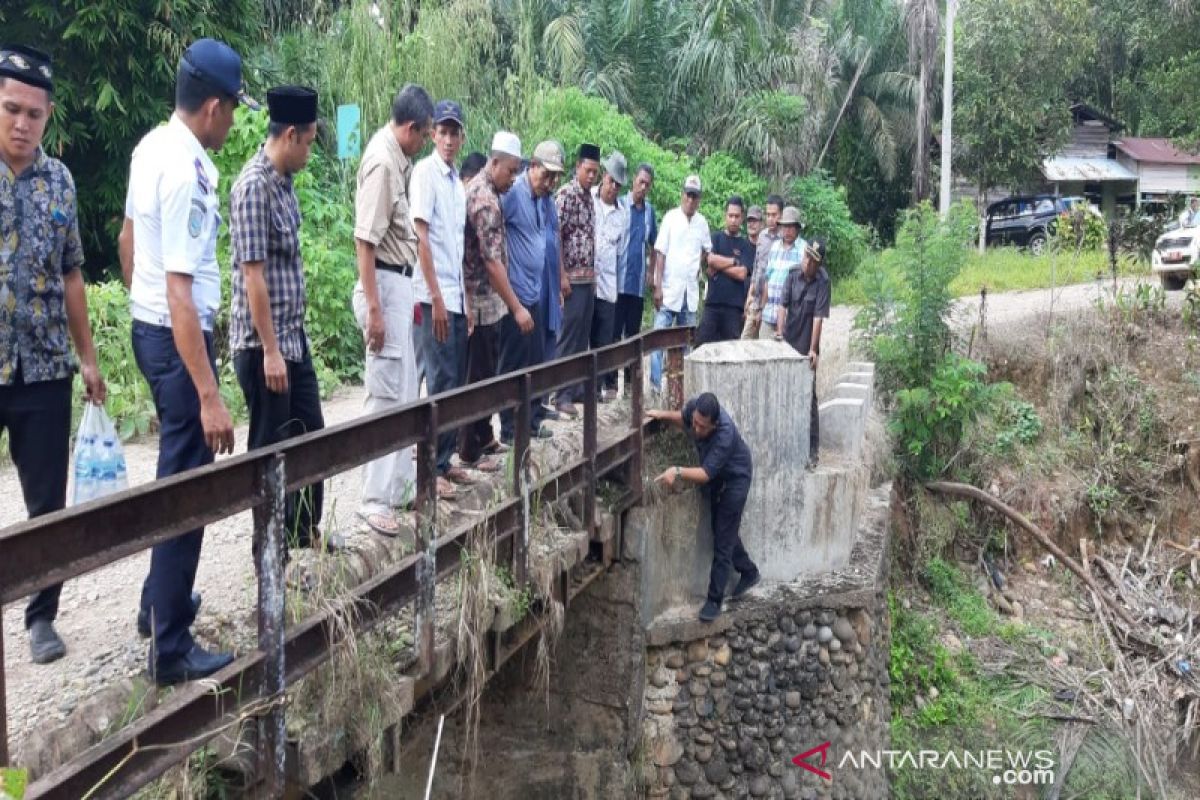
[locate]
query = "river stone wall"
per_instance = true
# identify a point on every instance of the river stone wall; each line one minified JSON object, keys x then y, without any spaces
{"x":728,"y":706}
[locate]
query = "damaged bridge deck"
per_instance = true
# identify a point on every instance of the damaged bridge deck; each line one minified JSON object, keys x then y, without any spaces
{"x":75,"y":541}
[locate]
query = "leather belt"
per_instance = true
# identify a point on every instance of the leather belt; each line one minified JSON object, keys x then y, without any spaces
{"x":405,"y":270}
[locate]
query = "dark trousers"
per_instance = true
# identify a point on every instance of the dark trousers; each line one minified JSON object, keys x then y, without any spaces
{"x":275,"y":416}
{"x":604,"y":322}
{"x":167,"y":592}
{"x":445,"y":369}
{"x":482,"y":355}
{"x":519,"y":351}
{"x":37,"y":417}
{"x":719,"y":324}
{"x":628,"y":323}
{"x":576,"y":334}
{"x":727,"y":503}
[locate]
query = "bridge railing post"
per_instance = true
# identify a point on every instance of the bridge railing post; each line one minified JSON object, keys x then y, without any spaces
{"x":270,"y":553}
{"x":637,"y":411}
{"x":426,"y":534}
{"x":520,"y":460}
{"x":590,"y":423}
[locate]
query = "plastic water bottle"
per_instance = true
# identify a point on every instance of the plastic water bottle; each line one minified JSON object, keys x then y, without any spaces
{"x":106,"y":468}
{"x":85,"y":458}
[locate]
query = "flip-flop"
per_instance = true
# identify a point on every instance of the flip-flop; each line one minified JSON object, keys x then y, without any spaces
{"x":445,"y":489}
{"x":494,"y":447}
{"x":383,"y":524}
{"x":488,"y":464}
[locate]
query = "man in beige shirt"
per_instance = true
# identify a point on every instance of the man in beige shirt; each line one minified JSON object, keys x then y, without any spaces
{"x":386,"y":248}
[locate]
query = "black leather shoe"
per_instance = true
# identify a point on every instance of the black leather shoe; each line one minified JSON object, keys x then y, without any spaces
{"x":745,"y":584}
{"x":143,"y":621}
{"x":711,"y":611}
{"x":197,"y":664}
{"x":45,"y":645}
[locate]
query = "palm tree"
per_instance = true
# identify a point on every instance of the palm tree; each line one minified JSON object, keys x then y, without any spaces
{"x":922,"y":20}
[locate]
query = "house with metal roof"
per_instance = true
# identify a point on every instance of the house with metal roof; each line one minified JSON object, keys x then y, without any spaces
{"x":1162,"y":170}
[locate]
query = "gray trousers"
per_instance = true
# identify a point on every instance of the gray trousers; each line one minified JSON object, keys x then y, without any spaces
{"x":576,"y":334}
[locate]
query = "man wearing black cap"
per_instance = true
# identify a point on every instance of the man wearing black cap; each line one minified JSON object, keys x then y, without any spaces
{"x":42,"y":302}
{"x":577,"y":232}
{"x":171,"y":226}
{"x":266,"y":323}
{"x":439,"y":212}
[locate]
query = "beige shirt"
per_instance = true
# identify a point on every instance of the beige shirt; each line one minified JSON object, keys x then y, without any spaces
{"x":381,"y":214}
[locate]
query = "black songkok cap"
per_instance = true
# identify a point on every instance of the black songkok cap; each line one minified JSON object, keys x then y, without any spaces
{"x":27,"y":65}
{"x":589,"y":152}
{"x":292,"y":105}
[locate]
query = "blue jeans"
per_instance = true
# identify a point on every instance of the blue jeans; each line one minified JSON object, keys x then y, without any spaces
{"x":167,"y":592}
{"x":666,"y":318}
{"x":445,"y":369}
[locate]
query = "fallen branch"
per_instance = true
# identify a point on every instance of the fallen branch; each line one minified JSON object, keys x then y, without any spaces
{"x":1191,"y":551}
{"x":995,"y":503}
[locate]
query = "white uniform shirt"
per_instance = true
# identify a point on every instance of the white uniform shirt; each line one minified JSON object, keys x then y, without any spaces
{"x":612,"y":239}
{"x":681,"y":241}
{"x":172,"y":200}
{"x":436,"y":196}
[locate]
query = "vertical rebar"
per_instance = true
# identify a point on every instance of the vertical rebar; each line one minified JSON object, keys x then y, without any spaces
{"x":520,"y":460}
{"x":270,"y":534}
{"x":3,"y":701}
{"x":637,"y":411}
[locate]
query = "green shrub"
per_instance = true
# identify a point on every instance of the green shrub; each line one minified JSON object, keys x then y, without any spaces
{"x":929,"y":421}
{"x":130,"y":403}
{"x":1078,"y":229}
{"x":826,"y":215}
{"x":572,"y":118}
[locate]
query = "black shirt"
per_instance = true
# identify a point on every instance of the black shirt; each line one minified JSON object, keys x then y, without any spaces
{"x":724,"y":455}
{"x":722,"y":289}
{"x":804,"y":300}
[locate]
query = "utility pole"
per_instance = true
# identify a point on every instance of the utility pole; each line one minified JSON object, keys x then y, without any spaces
{"x":947,"y":109}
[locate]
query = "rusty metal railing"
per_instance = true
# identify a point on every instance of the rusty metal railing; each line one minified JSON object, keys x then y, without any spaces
{"x":69,"y":543}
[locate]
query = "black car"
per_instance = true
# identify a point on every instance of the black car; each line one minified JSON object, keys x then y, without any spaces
{"x":1025,"y":221}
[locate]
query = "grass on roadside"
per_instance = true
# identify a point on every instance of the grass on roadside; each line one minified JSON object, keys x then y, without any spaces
{"x":1006,"y":269}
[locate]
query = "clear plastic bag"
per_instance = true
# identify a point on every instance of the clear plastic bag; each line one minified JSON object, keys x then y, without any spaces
{"x":99,"y":457}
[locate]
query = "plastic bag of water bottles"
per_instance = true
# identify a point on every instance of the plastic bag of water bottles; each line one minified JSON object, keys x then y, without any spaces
{"x":99,"y":457}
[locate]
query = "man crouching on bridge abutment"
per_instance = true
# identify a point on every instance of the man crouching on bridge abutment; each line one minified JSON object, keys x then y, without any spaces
{"x":724,"y":472}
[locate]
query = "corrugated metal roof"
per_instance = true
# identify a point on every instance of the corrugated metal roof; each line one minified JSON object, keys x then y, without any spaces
{"x":1158,"y":151}
{"x":1074,"y":168}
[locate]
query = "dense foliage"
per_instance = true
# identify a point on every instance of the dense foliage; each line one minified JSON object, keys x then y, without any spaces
{"x":114,"y":66}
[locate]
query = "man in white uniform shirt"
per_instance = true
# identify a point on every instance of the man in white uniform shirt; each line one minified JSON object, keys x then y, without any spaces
{"x":612,"y":239}
{"x":679,"y":252}
{"x":438,"y":205}
{"x":172,"y":218}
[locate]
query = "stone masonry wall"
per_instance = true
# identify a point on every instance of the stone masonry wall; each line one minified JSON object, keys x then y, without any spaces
{"x":726,"y":714}
{"x":728,"y":705}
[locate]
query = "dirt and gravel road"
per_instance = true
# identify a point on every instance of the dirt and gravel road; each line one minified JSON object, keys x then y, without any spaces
{"x":98,"y":609}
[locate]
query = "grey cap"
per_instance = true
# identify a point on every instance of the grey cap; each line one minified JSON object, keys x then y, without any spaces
{"x":755,"y":212}
{"x":550,"y":155}
{"x":615,"y":166}
{"x":790,"y":216}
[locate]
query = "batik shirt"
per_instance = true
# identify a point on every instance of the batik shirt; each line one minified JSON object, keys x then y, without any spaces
{"x":484,"y":240}
{"x":577,"y":227}
{"x":39,"y":244}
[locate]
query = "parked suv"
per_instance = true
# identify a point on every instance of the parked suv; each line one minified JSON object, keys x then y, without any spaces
{"x":1176,"y":253}
{"x":1025,"y":221}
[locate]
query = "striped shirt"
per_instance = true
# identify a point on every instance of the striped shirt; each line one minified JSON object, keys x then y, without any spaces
{"x":780,"y":261}
{"x":264,"y":225}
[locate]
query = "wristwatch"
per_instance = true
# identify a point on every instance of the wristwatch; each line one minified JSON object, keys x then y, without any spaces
{"x":678,"y":473}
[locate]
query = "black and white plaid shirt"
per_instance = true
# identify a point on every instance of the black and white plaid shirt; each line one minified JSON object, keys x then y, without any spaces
{"x":264,"y":225}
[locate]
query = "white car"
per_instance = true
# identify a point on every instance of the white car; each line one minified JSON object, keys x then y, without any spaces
{"x":1176,"y":254}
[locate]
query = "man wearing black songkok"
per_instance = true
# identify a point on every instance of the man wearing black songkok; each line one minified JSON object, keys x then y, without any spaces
{"x":266,"y":329}
{"x":43,"y":309}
